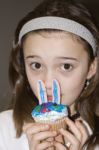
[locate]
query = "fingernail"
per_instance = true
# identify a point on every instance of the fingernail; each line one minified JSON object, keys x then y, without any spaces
{"x":61,"y":129}
{"x":67,"y":118}
{"x":52,"y":143}
{"x":46,"y":126}
{"x":23,"y":129}
{"x":54,"y":132}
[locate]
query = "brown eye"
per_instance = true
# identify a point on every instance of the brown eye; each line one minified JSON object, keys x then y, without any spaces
{"x":66,"y":67}
{"x":36,"y":66}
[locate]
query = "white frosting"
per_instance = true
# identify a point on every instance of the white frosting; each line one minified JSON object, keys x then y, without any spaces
{"x":50,"y":116}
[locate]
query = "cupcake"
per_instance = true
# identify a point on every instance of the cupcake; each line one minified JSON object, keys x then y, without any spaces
{"x":52,"y":113}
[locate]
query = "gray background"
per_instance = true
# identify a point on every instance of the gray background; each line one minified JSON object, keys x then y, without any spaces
{"x":11,"y":11}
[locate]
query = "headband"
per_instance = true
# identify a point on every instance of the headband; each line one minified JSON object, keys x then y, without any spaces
{"x":60,"y":24}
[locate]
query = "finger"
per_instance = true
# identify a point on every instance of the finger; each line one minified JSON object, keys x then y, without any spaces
{"x":83,"y":130}
{"x":26,"y":126}
{"x":56,"y":92}
{"x":43,"y":135}
{"x":59,"y":139}
{"x":30,"y":131}
{"x":74,"y":129}
{"x":70,"y":137}
{"x":50,"y":139}
{"x":59,"y":146}
{"x":51,"y":148}
{"x":44,"y":145}
{"x":41,"y":92}
{"x":35,"y":128}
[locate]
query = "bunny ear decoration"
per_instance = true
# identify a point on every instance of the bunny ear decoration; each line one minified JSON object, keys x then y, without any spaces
{"x":41,"y":92}
{"x":56,"y":92}
{"x":43,"y":95}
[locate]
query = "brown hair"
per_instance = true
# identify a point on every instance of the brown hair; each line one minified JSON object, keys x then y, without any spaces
{"x":23,"y":98}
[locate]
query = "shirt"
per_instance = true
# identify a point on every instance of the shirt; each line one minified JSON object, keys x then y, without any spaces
{"x":8,"y":140}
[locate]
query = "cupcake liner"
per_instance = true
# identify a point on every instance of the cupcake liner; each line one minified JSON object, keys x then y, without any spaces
{"x":56,"y":125}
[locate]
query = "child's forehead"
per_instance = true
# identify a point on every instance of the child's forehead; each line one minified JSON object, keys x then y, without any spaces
{"x":46,"y":44}
{"x":56,"y":34}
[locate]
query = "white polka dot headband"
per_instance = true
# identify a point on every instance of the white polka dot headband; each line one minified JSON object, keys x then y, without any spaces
{"x":59,"y":23}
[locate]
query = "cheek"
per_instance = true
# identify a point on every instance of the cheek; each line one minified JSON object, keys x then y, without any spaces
{"x":73,"y":80}
{"x":32,"y":79}
{"x":71,"y":88}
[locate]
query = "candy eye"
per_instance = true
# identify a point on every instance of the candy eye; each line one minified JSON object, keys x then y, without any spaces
{"x":36,"y":66}
{"x":67,"y":67}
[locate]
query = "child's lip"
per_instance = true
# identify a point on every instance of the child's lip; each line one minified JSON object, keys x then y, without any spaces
{"x":49,"y":98}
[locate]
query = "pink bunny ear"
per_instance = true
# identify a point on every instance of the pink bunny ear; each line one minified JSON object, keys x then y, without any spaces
{"x":56,"y":92}
{"x":41,"y":92}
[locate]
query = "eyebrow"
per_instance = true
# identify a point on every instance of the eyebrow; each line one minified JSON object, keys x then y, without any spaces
{"x":71,"y":58}
{"x":32,"y":56}
{"x":61,"y":57}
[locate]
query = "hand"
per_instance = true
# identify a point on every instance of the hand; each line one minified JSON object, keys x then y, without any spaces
{"x":37,"y":135}
{"x":76,"y":136}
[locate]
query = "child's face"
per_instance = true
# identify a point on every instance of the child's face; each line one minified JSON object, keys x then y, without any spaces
{"x":57,"y":57}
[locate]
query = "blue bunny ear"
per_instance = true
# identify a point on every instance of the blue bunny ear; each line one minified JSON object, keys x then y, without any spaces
{"x":41,"y":92}
{"x":56,"y":91}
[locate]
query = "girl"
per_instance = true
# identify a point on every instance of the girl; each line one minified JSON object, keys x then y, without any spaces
{"x":58,"y":40}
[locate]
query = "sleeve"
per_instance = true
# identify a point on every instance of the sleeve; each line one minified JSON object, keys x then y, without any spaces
{"x":6,"y":128}
{"x":2,"y":133}
{"x":97,"y":148}
{"x":2,"y":147}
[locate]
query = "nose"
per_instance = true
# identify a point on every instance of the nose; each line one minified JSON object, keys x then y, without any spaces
{"x":48,"y":78}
